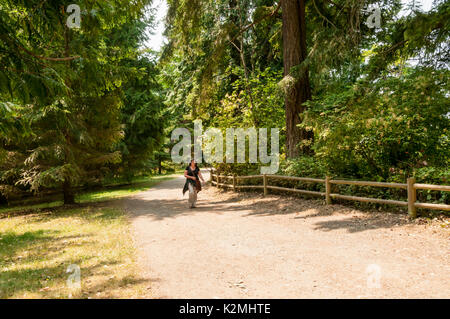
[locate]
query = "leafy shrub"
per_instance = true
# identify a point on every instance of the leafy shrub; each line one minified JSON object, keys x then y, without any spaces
{"x":371,"y":128}
{"x":304,"y":166}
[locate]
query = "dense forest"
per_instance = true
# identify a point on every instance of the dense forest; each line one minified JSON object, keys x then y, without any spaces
{"x":352,"y":99}
{"x":77,"y":104}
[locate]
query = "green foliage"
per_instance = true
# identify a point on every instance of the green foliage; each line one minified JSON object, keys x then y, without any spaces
{"x":316,"y":167}
{"x":397,"y":123}
{"x":210,"y":63}
{"x":304,"y":166}
{"x":78,"y":103}
{"x":380,"y":107}
{"x":262,"y":106}
{"x":143,"y":119}
{"x":418,"y":35}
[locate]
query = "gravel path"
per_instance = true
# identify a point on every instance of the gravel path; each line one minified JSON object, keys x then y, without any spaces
{"x":247,"y":246}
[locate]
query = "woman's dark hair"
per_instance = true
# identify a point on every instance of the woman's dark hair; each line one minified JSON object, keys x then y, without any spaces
{"x":193,"y":160}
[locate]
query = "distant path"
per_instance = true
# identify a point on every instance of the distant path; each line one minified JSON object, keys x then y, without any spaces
{"x":247,"y":246}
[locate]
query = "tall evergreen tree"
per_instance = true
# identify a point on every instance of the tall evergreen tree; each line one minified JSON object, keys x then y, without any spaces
{"x":66,"y":85}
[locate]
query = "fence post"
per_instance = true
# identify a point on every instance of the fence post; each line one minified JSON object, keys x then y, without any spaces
{"x":327,"y":190}
{"x":265,"y":184}
{"x":234,"y":182}
{"x":412,"y":197}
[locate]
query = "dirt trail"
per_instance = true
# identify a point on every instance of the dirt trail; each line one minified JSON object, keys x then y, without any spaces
{"x":247,"y":246}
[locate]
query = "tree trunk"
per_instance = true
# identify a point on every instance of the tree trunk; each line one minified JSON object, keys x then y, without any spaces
{"x":69,"y":196}
{"x":294,"y":53}
{"x":159,"y":167}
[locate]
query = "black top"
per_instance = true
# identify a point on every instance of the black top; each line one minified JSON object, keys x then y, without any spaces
{"x":192,"y":172}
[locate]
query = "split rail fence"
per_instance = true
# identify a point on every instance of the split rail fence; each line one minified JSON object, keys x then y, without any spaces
{"x":411,"y":186}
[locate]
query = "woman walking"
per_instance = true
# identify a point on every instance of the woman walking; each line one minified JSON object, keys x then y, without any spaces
{"x":193,"y":185}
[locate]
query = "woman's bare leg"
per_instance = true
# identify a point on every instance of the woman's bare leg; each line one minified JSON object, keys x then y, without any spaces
{"x":195,"y":198}
{"x":192,"y":196}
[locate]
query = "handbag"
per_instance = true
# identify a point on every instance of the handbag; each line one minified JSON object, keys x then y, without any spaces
{"x":198,"y":185}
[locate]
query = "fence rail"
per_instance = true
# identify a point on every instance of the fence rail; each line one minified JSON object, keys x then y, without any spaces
{"x":411,"y":186}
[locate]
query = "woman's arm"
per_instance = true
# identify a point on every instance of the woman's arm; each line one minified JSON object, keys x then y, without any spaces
{"x":201,"y":176}
{"x":187,"y":176}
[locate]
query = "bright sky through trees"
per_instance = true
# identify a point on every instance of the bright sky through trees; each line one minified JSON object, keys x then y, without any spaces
{"x":156,"y":40}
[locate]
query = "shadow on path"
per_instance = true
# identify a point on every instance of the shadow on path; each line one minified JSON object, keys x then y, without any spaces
{"x":166,"y":201}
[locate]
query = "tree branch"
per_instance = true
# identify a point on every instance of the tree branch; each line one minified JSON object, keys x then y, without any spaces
{"x":320,"y":13}
{"x":258,"y":21}
{"x":263,"y":18}
{"x":68,"y":58}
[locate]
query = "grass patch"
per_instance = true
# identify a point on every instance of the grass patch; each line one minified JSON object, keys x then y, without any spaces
{"x":37,"y":249}
{"x":108,"y":193}
{"x":12,"y":209}
{"x":38,"y":246}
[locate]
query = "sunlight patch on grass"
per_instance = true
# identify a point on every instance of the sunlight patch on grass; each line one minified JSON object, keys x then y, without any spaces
{"x":122,"y":191}
{"x":36,"y":250}
{"x":138,"y":185}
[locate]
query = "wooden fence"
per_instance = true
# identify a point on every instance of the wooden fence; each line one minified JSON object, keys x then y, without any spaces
{"x":411,"y":186}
